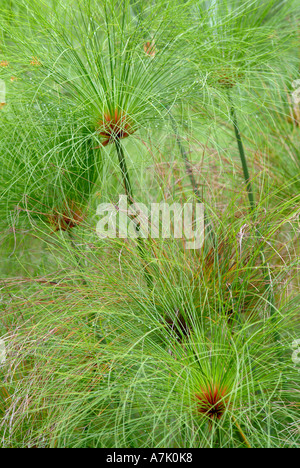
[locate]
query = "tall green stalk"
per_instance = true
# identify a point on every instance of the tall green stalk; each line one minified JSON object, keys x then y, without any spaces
{"x":195,"y":187}
{"x":243,"y":157}
{"x":265,"y":265}
{"x":129,"y":193}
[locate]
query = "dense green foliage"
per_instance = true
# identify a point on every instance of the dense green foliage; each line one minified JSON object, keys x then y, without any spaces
{"x":140,"y":342}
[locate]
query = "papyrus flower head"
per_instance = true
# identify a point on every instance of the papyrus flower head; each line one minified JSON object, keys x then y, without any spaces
{"x":68,"y":218}
{"x":212,"y":399}
{"x":149,"y":48}
{"x":115,"y":125}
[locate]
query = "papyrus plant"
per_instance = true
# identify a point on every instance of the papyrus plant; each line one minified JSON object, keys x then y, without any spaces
{"x":90,"y":65}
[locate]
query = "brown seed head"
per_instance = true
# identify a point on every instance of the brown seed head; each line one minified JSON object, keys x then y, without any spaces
{"x":114,"y":126}
{"x":149,"y":48}
{"x":228,"y":79}
{"x":71,"y":217}
{"x":211,"y":400}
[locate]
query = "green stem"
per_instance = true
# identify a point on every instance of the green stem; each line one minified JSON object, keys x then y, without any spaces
{"x":244,"y":438}
{"x":265,"y":265}
{"x":243,"y":157}
{"x":124,"y":170}
{"x":195,"y":187}
{"x":129,"y":193}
